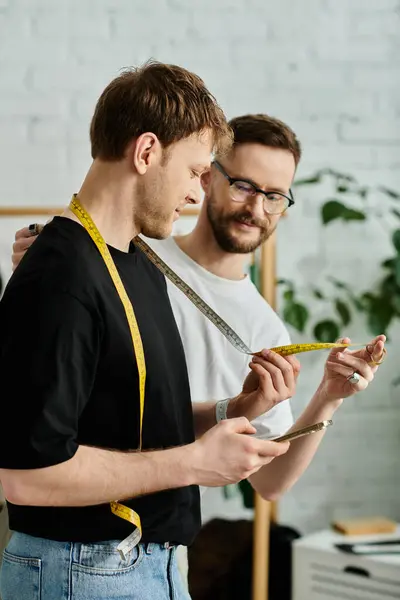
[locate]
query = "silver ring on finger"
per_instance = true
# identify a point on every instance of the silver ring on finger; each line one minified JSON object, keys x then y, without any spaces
{"x":354,"y":378}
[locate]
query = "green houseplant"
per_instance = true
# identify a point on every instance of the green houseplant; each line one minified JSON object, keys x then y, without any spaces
{"x":347,"y":201}
{"x":380,"y":304}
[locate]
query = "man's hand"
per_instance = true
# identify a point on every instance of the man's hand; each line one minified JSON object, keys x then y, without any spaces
{"x":227,"y":453}
{"x":343,"y":363}
{"x":272,"y":379}
{"x":23,"y":240}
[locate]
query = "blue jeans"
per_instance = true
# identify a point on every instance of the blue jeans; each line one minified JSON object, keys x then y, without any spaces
{"x":39,"y":569}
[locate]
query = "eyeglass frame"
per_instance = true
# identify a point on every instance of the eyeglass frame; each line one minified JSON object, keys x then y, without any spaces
{"x":233,"y":180}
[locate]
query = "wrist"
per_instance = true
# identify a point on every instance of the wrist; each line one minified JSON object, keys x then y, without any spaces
{"x":234,"y":408}
{"x":192,"y":461}
{"x":240,"y":406}
{"x":323,"y":399}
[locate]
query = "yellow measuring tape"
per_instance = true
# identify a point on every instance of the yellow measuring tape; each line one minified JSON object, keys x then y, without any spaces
{"x":124,"y":512}
{"x":120,"y":510}
{"x":221,"y":325}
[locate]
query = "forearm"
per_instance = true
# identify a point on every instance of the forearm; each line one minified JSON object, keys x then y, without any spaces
{"x":204,"y":417}
{"x":282,"y":473}
{"x":97,"y":476}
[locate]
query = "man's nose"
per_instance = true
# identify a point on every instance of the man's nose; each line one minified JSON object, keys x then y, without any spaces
{"x":255,"y":205}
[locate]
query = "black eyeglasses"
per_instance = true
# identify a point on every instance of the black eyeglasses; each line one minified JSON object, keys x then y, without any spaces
{"x":242,"y":190}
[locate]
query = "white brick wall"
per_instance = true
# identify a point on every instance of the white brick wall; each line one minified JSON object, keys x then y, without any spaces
{"x":330,"y":68}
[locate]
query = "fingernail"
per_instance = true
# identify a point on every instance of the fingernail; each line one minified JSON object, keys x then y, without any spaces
{"x":339,"y":355}
{"x":265,"y":352}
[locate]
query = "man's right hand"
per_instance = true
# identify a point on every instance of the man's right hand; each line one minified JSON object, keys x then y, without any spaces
{"x":227,"y":453}
{"x":23,"y":240}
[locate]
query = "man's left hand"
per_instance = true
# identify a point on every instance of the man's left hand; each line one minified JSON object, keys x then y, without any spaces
{"x":343,"y":363}
{"x":272,"y":380}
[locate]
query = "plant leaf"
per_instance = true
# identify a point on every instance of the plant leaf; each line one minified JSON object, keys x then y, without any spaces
{"x":343,"y":311}
{"x":296,"y":315}
{"x":389,"y":263}
{"x":389,"y":286}
{"x":396,"y":303}
{"x":367,"y":300}
{"x":357,"y":303}
{"x":229,"y":491}
{"x":326,"y":331}
{"x":288,"y":295}
{"x":318,"y":294}
{"x":396,"y":212}
{"x":285,"y":282}
{"x":390,"y":193}
{"x":308,"y":180}
{"x":339,"y":284}
{"x":397,"y":270}
{"x":396,"y":239}
{"x":333,"y":209}
{"x":381,"y":312}
{"x":339,"y":176}
{"x":247,"y":493}
{"x":350,"y":214}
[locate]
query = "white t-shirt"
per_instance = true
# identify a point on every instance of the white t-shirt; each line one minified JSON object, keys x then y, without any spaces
{"x":217,"y":369}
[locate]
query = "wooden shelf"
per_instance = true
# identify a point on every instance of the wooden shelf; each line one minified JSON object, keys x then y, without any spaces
{"x":35,"y":211}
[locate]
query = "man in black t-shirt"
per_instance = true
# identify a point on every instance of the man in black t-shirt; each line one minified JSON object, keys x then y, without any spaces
{"x":105,"y":373}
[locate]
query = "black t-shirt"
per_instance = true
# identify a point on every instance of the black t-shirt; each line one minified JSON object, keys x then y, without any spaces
{"x":69,"y":377}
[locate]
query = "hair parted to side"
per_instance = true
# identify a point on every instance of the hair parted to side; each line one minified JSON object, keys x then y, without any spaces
{"x":265,"y":130}
{"x":167,"y":100}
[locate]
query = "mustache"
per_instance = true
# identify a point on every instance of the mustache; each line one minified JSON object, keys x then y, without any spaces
{"x":248,"y":219}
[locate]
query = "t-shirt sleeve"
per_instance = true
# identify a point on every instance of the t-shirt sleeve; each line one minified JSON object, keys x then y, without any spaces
{"x":279,"y":419}
{"x":49,"y":352}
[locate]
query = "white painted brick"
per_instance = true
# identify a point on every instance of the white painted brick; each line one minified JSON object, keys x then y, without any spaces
{"x":375,"y":7}
{"x":324,"y":104}
{"x":366,"y":50}
{"x":31,"y":105}
{"x":241,"y":26}
{"x":150,"y":28}
{"x":343,"y":156}
{"x":73,"y":79}
{"x":370,"y":24}
{"x":315,"y":130}
{"x":72,"y":24}
{"x":388,"y":105}
{"x":46,"y":52}
{"x":13,"y":77}
{"x":386,"y":156}
{"x":15,"y":129}
{"x":378,"y":130}
{"x":368,"y":77}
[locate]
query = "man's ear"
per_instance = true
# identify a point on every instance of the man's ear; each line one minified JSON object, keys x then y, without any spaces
{"x":145,"y":149}
{"x":206,"y":180}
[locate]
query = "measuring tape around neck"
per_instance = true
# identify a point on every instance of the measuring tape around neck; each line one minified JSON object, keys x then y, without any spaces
{"x":221,"y":325}
{"x":124,"y":512}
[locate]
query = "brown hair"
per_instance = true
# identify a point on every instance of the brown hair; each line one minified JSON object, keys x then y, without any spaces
{"x":265,"y":130}
{"x":167,"y":100}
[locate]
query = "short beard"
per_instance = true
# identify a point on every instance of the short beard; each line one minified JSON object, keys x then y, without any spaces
{"x":228,"y":242}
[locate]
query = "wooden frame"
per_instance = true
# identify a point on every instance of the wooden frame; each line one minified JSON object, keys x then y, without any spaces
{"x":265,"y":512}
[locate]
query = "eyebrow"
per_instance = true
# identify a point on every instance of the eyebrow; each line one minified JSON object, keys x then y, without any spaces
{"x":201,"y":168}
